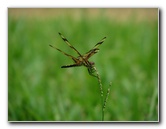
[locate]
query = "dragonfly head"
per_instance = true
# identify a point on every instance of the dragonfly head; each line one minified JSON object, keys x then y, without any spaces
{"x":92,"y":63}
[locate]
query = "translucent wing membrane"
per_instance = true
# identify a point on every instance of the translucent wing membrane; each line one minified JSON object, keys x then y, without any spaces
{"x":67,"y":42}
{"x":75,"y":59}
{"x":94,"y":50}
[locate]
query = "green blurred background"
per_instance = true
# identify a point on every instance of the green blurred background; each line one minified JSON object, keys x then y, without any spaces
{"x":39,"y":90}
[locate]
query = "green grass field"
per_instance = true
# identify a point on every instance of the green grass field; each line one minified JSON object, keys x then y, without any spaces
{"x":39,"y":90}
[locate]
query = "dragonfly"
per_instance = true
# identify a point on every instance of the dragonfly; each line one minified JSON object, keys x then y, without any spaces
{"x":81,"y":60}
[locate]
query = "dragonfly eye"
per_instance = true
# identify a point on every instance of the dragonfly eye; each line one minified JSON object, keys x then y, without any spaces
{"x":92,"y":63}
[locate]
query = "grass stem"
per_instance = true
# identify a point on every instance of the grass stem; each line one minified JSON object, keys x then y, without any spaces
{"x":101,"y":93}
{"x":103,"y":101}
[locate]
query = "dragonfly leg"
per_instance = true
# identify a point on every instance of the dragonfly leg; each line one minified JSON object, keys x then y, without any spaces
{"x":91,"y":73}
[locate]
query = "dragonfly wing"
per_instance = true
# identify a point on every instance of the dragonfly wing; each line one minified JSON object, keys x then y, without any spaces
{"x":94,"y":50}
{"x":67,"y":42}
{"x":68,"y":66}
{"x":74,"y":59}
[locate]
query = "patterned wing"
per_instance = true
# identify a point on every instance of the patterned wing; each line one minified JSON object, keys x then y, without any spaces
{"x":67,"y":42}
{"x":73,"y":65}
{"x":75,"y":59}
{"x":94,"y":50}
